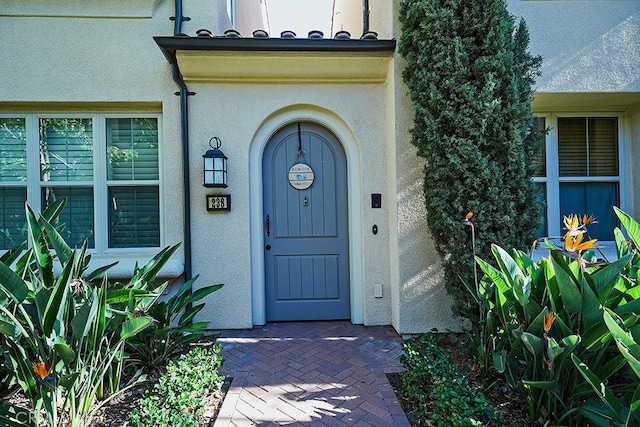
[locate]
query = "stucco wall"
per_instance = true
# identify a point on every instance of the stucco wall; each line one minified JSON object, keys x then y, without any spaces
{"x":234,"y":112}
{"x":587,"y":46}
{"x":91,"y":56}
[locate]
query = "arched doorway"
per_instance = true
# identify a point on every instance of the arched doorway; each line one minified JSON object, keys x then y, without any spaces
{"x":306,"y":232}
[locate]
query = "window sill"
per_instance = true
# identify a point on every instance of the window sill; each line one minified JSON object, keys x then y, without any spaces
{"x":126,"y":265}
{"x":606,"y":250}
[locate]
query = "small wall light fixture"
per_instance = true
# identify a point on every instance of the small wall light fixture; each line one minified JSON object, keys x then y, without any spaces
{"x":215,"y":165}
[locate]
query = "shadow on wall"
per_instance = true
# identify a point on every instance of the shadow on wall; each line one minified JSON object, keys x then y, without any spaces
{"x":610,"y":63}
{"x":424,"y":300}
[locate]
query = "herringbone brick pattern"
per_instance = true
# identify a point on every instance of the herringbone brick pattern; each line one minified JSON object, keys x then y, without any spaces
{"x":311,"y":374}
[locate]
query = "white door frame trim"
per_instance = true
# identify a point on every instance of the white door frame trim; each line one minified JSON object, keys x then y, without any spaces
{"x":341,"y":130}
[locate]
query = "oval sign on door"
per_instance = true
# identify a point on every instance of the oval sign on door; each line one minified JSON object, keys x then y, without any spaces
{"x":301,"y":176}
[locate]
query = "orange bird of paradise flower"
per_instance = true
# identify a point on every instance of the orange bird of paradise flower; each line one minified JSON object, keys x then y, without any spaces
{"x":467,"y":218}
{"x":548,"y":321}
{"x":574,"y":243}
{"x":588,"y":219}
{"x":40,"y":369}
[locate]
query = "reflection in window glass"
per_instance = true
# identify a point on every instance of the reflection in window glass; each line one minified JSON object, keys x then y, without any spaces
{"x":66,"y":150}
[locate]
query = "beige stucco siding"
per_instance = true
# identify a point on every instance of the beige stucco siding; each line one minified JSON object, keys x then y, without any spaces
{"x":234,"y":112}
{"x":88,"y":57}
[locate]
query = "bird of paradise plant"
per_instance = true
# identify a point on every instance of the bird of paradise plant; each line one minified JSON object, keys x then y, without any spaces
{"x":546,"y":329}
{"x":63,"y":343}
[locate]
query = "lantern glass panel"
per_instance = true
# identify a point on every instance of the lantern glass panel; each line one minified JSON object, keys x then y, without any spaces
{"x":218,"y":163}
{"x":208,"y":177}
{"x":208,"y":163}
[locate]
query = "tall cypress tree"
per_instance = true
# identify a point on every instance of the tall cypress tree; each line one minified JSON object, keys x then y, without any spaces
{"x":471,"y":78}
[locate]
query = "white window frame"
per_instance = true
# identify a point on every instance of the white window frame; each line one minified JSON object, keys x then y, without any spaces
{"x":99,"y":183}
{"x":553,"y":179}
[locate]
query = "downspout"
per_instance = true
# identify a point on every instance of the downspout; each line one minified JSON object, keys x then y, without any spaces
{"x":365,"y":16}
{"x":184,"y":123}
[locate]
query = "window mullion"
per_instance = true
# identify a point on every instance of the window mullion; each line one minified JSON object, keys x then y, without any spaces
{"x":99,"y":184}
{"x":553,"y":186}
{"x":34,"y":197}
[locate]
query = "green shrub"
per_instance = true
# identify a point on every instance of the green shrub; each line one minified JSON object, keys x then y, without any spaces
{"x":63,"y":336}
{"x":434,"y":383}
{"x":172,"y":326}
{"x":179,"y":397}
{"x":470,"y":78}
{"x":561,"y":330}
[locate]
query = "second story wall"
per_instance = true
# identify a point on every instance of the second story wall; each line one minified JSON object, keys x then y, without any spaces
{"x":587,"y":46}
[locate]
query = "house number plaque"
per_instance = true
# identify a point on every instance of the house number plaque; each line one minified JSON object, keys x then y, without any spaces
{"x":301,"y":176}
{"x":219,"y":203}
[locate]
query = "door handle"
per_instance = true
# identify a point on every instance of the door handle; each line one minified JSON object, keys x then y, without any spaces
{"x":268,"y":225}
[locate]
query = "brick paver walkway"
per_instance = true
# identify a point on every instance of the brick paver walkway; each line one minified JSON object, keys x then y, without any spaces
{"x":311,"y":374}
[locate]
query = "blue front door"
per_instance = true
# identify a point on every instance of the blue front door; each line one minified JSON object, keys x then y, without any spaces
{"x":305,"y":225}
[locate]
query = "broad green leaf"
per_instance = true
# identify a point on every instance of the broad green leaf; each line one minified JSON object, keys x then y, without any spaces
{"x":57,"y":303}
{"x":182,"y":293}
{"x":611,"y":272}
{"x":40,"y":248}
{"x":552,"y":285}
{"x":500,"y":360}
{"x":626,"y":344}
{"x":618,"y":333}
{"x":59,"y":245}
{"x":10,"y":256}
{"x":82,"y":321}
{"x":188,"y":315}
{"x":198,"y":295}
{"x":631,"y":226}
{"x":496,"y":276}
{"x":630,"y":307}
{"x":7,"y":328}
{"x":597,"y":412}
{"x":507,"y":264}
{"x":12,"y":284}
{"x":64,"y":351}
{"x":569,"y":343}
{"x":569,"y":292}
{"x":133,"y":326}
{"x":148,"y":272}
{"x":536,"y":327}
{"x":118,"y":296}
{"x":591,"y":309}
{"x":533,"y":343}
{"x":52,"y":211}
{"x":622,"y":247}
{"x":98,"y":272}
{"x":598,"y":386}
{"x":553,"y":349}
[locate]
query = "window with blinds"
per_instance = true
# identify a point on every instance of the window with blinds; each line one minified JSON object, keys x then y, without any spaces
{"x":13,"y":182}
{"x":132,"y":163}
{"x":105,"y":165}
{"x":582,"y":171}
{"x":588,"y":146}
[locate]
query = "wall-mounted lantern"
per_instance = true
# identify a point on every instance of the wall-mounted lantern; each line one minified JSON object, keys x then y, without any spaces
{"x":215,"y":165}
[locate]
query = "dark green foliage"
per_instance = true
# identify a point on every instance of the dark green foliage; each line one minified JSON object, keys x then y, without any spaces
{"x":178,"y":399}
{"x":432,"y":381}
{"x":470,"y":77}
{"x":173,"y":325}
